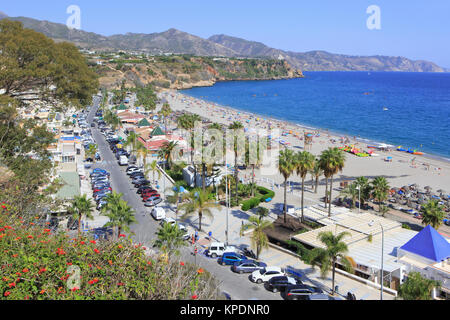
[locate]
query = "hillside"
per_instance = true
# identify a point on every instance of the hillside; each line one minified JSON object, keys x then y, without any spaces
{"x":325,"y":61}
{"x":183,"y":71}
{"x":179,"y":42}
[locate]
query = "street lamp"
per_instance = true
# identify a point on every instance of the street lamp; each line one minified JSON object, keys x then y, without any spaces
{"x":382,"y":256}
{"x":226,"y":197}
{"x":359,"y":198}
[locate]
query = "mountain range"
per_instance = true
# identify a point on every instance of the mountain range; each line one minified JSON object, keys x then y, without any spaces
{"x":176,"y":41}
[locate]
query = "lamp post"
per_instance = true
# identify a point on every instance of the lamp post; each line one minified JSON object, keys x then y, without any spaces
{"x":382,"y":257}
{"x":359,"y":198}
{"x":226,"y":197}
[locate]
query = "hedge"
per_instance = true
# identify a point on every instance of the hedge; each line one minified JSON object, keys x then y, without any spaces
{"x":250,"y":204}
{"x":254,"y":202}
{"x":265,"y":193}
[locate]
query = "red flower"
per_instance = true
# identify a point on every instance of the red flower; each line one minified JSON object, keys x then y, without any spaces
{"x":7,"y":293}
{"x":149,"y":263}
{"x":42,"y":270}
{"x":120,"y":284}
{"x":42,"y":291}
{"x":69,"y":263}
{"x":200,"y":271}
{"x":11,"y":284}
{"x":122,"y":236}
{"x":96,"y":251}
{"x":181,"y":263}
{"x":25,"y":270}
{"x":15,"y":255}
{"x":194,"y":297}
{"x":82,"y":242}
{"x":18,"y":273}
{"x":47,"y":230}
{"x":75,"y":289}
{"x":110,"y":262}
{"x":30,"y":237}
{"x":93,"y":241}
{"x":120,"y":246}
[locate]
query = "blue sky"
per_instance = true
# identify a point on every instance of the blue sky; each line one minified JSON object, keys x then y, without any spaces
{"x":413,"y":29}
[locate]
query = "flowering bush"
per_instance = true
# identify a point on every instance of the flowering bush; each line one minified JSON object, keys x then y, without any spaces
{"x":36,"y":264}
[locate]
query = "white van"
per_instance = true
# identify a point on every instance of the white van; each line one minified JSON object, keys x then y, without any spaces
{"x":158,"y":213}
{"x":217,"y":249}
{"x":123,"y":161}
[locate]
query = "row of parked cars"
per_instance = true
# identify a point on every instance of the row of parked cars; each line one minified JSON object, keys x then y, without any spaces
{"x":149,"y":195}
{"x":101,"y":186}
{"x":275,"y":279}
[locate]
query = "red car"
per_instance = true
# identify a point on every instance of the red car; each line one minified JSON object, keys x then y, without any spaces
{"x":97,"y":189}
{"x":148,"y":193}
{"x":149,"y":196}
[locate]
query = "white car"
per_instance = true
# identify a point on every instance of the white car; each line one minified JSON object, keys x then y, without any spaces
{"x":167,"y":220}
{"x":265,"y":274}
{"x":158,"y":213}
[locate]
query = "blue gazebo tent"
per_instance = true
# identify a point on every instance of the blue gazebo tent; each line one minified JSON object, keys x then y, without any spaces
{"x":429,"y":244}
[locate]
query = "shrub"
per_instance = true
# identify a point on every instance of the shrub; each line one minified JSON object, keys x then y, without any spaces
{"x":250,"y":204}
{"x":265,"y":193}
{"x":36,"y":265}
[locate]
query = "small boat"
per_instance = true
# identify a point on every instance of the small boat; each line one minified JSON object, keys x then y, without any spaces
{"x":385,"y":109}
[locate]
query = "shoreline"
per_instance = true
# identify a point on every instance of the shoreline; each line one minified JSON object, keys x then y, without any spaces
{"x":331,"y":133}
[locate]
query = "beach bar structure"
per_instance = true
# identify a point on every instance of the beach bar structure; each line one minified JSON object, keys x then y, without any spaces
{"x":364,"y":243}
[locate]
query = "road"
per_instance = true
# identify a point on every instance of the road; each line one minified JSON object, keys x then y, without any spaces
{"x":237,"y":286}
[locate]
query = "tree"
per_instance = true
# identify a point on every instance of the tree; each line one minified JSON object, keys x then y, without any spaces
{"x":316,"y":171}
{"x":152,"y":167}
{"x":120,"y":214}
{"x":335,"y":249}
{"x":199,"y":203}
{"x":258,"y":239}
{"x":380,"y":190}
{"x":332,"y":161}
{"x":304,"y":162}
{"x":133,"y":141}
{"x":146,"y":97}
{"x":417,"y":287}
{"x":262,"y":212}
{"x":433,"y":214}
{"x":92,"y":150}
{"x":187,"y":122}
{"x":52,"y":70}
{"x":166,"y":152}
{"x":165,"y":111}
{"x":256,"y":161}
{"x":112,"y":119}
{"x":176,"y":197}
{"x":169,"y":238}
{"x":286,"y":166}
{"x":81,"y":206}
{"x":352,"y":192}
{"x":236,"y":125}
{"x":215,"y":125}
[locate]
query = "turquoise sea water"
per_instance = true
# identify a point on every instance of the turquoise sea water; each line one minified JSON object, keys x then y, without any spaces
{"x":418,"y":104}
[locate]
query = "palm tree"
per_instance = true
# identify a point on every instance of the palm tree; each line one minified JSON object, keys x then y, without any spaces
{"x":215,"y":125}
{"x":433,"y":214}
{"x":256,"y":162}
{"x":176,"y":197}
{"x":187,"y":122}
{"x":120,"y":214}
{"x":316,"y":171}
{"x":236,"y":125}
{"x":365,"y":189}
{"x":200,"y":203}
{"x":286,"y":166}
{"x":304,"y":162}
{"x":165,"y":112}
{"x":92,"y":150}
{"x":81,"y":206}
{"x":352,"y":192}
{"x":112,"y":119}
{"x":170,"y":238}
{"x":380,"y":190}
{"x":132,"y":140}
{"x":258,"y":239}
{"x":152,"y":167}
{"x":143,"y":153}
{"x":327,"y":257}
{"x":166,"y":152}
{"x":332,"y":161}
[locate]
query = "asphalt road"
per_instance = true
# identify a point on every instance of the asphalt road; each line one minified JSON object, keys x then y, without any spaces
{"x":237,"y":286}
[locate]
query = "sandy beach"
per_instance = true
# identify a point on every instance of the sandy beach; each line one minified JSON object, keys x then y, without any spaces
{"x":405,"y":169}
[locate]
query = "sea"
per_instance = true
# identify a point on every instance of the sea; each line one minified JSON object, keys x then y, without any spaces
{"x":405,"y":109}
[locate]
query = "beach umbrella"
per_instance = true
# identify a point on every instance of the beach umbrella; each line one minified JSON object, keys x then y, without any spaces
{"x":427,"y":188}
{"x":441,"y":191}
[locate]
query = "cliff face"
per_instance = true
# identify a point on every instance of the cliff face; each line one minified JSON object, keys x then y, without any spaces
{"x":183,"y":72}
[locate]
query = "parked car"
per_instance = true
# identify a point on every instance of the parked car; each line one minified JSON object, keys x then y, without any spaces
{"x":300,"y":292}
{"x":158,"y":213}
{"x":217,"y":249}
{"x":101,"y":189}
{"x":167,"y":220}
{"x":142,"y":183}
{"x":148,"y":193}
{"x":321,"y":296}
{"x":101,"y":204}
{"x":183,"y":228}
{"x":229,"y":258}
{"x":265,"y":274}
{"x":153,"y":201}
{"x":246,"y":266}
{"x":150,"y":196}
{"x":144,"y":189}
{"x":280,"y":283}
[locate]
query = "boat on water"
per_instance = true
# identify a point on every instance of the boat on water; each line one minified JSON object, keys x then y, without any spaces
{"x":385,"y":109}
